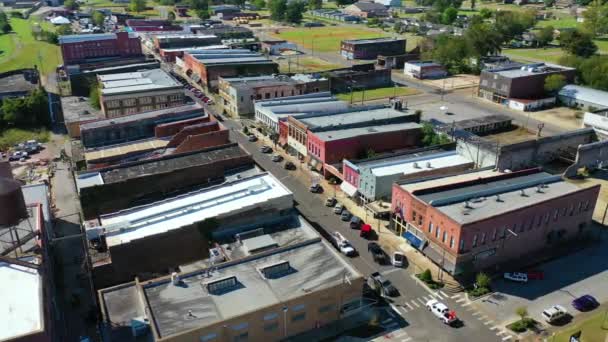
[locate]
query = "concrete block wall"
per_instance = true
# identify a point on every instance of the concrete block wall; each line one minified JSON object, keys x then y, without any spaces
{"x":202,"y":128}
{"x":592,"y":156}
{"x":172,"y":128}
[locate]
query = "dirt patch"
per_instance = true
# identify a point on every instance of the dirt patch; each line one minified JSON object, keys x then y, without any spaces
{"x":561,"y":116}
{"x":516,"y":135}
{"x":454,"y":82}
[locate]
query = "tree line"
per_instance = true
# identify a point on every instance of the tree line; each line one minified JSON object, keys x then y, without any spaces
{"x":29,"y":111}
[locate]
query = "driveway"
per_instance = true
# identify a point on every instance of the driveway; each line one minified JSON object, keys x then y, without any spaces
{"x":584,"y":272}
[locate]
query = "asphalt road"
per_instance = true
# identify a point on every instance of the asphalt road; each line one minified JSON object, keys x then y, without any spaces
{"x":418,"y":324}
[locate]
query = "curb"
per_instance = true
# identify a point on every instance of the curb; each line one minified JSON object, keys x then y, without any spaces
{"x":478,"y":298}
{"x":425,"y":286}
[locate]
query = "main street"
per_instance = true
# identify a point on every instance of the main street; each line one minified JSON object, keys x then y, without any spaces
{"x":420,"y":325}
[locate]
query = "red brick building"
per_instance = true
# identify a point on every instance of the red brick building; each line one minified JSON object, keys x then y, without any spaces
{"x":477,"y":220}
{"x":79,"y":48}
{"x":152,"y":25}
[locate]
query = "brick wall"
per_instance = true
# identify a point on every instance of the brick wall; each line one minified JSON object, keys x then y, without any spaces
{"x":197,"y":142}
{"x":173,"y":128}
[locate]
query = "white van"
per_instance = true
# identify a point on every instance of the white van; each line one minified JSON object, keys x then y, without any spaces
{"x":554,"y":313}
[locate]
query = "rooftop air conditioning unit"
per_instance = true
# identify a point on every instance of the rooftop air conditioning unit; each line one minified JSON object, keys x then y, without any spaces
{"x":175,"y":279}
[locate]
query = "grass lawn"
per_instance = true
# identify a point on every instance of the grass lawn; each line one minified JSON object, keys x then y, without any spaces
{"x":326,"y":39}
{"x":591,"y":330}
{"x":551,"y":55}
{"x":21,"y":50}
{"x":13,"y":136}
{"x":379,"y":93}
{"x":305,"y":64}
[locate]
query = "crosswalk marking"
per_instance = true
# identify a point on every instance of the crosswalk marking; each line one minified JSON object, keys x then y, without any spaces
{"x":409,"y":306}
{"x":455,"y":296}
{"x":421,"y":301}
{"x":476,"y":313}
{"x":500,"y":332}
{"x":415,"y":303}
{"x":488,"y":323}
{"x":508,"y":337}
{"x":406,"y":339}
{"x":465,"y":304}
{"x":460,"y":300}
{"x":443,"y":293}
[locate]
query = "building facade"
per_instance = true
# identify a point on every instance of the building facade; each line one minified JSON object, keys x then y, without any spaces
{"x":137,"y":92}
{"x":477,"y":220}
{"x":371,"y":48}
{"x":172,"y":41}
{"x":520,"y":82}
{"x":239,"y":94}
{"x":366,"y":9}
{"x":584,"y":98}
{"x":79,"y":48}
{"x":424,"y":69}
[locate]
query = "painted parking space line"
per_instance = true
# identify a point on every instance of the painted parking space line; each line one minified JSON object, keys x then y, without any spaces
{"x":500,"y":332}
{"x":493,"y":328}
{"x":460,"y":300}
{"x":488,"y":323}
{"x":508,"y":337}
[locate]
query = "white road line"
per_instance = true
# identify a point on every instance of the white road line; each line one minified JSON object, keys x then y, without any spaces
{"x":436,"y":294}
{"x":508,"y":337}
{"x":476,"y":313}
{"x":399,"y":333}
{"x":493,"y":328}
{"x":500,"y":332}
{"x":409,"y":306}
{"x":387,"y":320}
{"x":443,"y":293}
{"x":488,"y":323}
{"x":406,"y":339}
{"x":461,"y":300}
{"x":390,"y":271}
{"x":404,"y":310}
{"x":415,"y":303}
{"x":465,"y":304}
{"x":455,"y":296}
{"x":427,"y":299}
{"x":421,"y":301}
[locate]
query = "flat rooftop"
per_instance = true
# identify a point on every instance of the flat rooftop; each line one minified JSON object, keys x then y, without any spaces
{"x":170,"y":163}
{"x":441,"y":181}
{"x":410,"y":165}
{"x":288,"y":232}
{"x":78,"y":109}
{"x":481,"y":207}
{"x":126,"y":148}
{"x":481,"y":121}
{"x":352,"y":117}
{"x":373,"y":40}
{"x":529,"y":70}
{"x":21,"y":312}
{"x":312,"y":266}
{"x":173,"y":213}
{"x":196,"y":49}
{"x":185,"y":109}
{"x":233,"y":60}
{"x":129,"y":82}
{"x":79,"y":38}
{"x":373,"y":128}
{"x":15,"y":83}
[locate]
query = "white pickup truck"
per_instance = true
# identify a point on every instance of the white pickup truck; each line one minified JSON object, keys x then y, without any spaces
{"x":343,"y":244}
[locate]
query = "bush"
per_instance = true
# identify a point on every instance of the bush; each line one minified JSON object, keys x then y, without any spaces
{"x":426,"y":276}
{"x":522,"y":325}
{"x":483,"y":280}
{"x":245,"y":130}
{"x":13,"y":136}
{"x":478,"y":292}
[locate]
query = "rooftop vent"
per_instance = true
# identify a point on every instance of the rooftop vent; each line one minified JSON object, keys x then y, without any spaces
{"x":522,"y":193}
{"x":175,"y":279}
{"x":221,"y":285}
{"x":416,"y":166}
{"x":428,"y":165}
{"x":467,"y":205}
{"x":276,"y":270}
{"x":498,"y":199}
{"x":539,"y":188}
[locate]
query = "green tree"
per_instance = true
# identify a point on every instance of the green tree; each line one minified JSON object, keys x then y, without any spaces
{"x":203,"y":14}
{"x":278,"y":8}
{"x":451,"y":52}
{"x":596,"y":18}
{"x":94,"y":96}
{"x":483,"y":280}
{"x":137,"y":6}
{"x":344,"y":2}
{"x":63,"y":30}
{"x":549,"y":3}
{"x":259,"y":3}
{"x":315,"y":4}
{"x":171,"y":16}
{"x":30,"y":111}
{"x":486,"y":13}
{"x":511,"y":24}
{"x":545,"y":35}
{"x":6,"y":27}
{"x":577,"y":43}
{"x":98,"y":18}
{"x":473,"y":3}
{"x":483,"y":39}
{"x":294,"y":12}
{"x":70,"y":4}
{"x":449,"y":15}
{"x":522,"y":312}
{"x":553,"y":83}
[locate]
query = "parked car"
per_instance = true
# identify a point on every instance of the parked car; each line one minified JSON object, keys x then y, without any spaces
{"x":210,"y":101}
{"x":346,"y":215}
{"x":266,"y":149}
{"x":516,"y":276}
{"x":290,"y":166}
{"x":314,"y":24}
{"x":19,"y":155}
{"x":277,"y":158}
{"x":377,"y":282}
{"x":355,"y":222}
{"x":585,"y":303}
{"x":398,"y":259}
{"x":441,"y":311}
{"x":316,"y":188}
{"x":338,"y":208}
{"x":554,"y":313}
{"x":252,"y":138}
{"x":377,"y":253}
{"x":330,"y":202}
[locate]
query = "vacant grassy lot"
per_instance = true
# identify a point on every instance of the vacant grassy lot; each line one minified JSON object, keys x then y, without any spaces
{"x":21,"y":50}
{"x":551,"y":55}
{"x":305,"y":64}
{"x":591,"y":329}
{"x":13,"y":136}
{"x":379,"y":93}
{"x":565,"y":22}
{"x":326,"y":39}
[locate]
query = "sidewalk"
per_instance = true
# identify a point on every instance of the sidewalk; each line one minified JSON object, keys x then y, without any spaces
{"x":389,"y":241}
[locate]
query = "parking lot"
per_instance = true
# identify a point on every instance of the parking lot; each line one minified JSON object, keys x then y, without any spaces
{"x":569,"y":277}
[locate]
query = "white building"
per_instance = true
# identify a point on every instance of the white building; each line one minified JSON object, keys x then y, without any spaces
{"x":582,"y":97}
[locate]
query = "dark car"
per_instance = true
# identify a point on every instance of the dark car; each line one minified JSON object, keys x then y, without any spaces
{"x":585,"y":303}
{"x":383,"y":285}
{"x":314,"y":24}
{"x":289,"y":166}
{"x":252,"y":138}
{"x":377,"y":253}
{"x":316,"y":188}
{"x":355,"y":222}
{"x":277,"y":158}
{"x":266,"y":149}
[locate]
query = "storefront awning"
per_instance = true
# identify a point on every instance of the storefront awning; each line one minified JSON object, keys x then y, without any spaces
{"x":413,"y":240}
{"x":348,"y":189}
